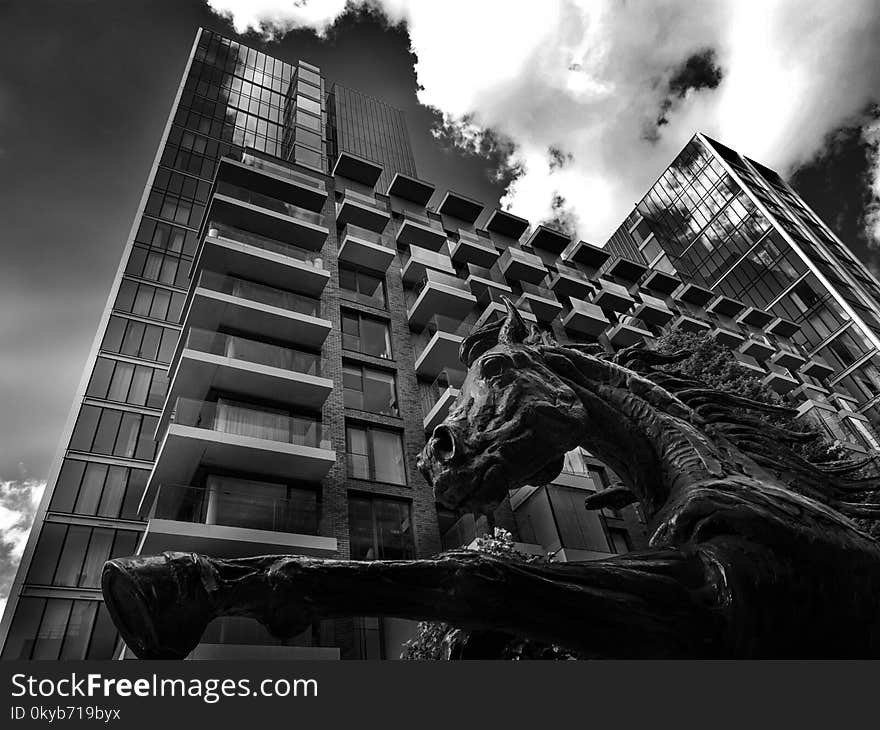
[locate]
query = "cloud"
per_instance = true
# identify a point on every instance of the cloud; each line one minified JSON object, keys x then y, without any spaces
{"x":871,"y":137}
{"x":18,"y":505}
{"x":586,"y":79}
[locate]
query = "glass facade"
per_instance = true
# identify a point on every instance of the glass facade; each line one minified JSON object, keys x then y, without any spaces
{"x":735,"y":227}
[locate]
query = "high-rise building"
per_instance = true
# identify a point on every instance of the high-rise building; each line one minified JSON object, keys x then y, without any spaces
{"x":733,"y":228}
{"x":283,"y":331}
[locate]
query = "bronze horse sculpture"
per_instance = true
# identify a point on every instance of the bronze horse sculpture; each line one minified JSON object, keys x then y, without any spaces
{"x":751,"y":554}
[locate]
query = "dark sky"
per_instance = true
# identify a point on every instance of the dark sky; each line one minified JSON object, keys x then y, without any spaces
{"x":85,"y":89}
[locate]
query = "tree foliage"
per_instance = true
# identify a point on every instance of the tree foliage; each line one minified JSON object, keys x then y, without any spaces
{"x":715,"y":365}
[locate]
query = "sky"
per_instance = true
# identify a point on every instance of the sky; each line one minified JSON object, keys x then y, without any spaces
{"x":563,"y":110}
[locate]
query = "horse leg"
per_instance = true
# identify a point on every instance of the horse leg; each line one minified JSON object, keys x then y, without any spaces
{"x":657,"y":603}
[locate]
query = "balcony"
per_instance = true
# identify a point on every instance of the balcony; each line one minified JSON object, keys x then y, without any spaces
{"x":411,"y":189}
{"x":418,"y":230}
{"x":725,"y":306}
{"x":757,"y":347}
{"x":440,"y":293}
{"x":506,"y":224}
{"x":629,"y":331}
{"x":440,"y":395}
{"x":485,"y":288}
{"x":653,"y":310}
{"x":460,"y":206}
{"x":780,"y":380}
{"x":787,"y":357}
{"x":225,"y":522}
{"x":540,"y":301}
{"x":727,"y":336}
{"x":362,"y":210}
{"x":496,"y":309}
{"x":437,"y":348}
{"x":252,"y":256}
{"x":549,"y":240}
{"x":612,"y":297}
{"x":589,"y":255}
{"x":623,"y":268}
{"x":218,"y":301}
{"x":208,"y":361}
{"x":686,"y":323}
{"x":420,"y":261}
{"x":238,"y":437}
{"x":750,"y":363}
{"x":817,"y":367}
{"x":569,"y":282}
{"x":783,"y":327}
{"x":358,"y":169}
{"x":472,"y":249}
{"x":756,"y":318}
{"x":693,"y":294}
{"x":660,"y":281}
{"x":271,"y":176}
{"x":585,"y":318}
{"x":267,"y":216}
{"x":518,"y":265}
{"x":365,"y":248}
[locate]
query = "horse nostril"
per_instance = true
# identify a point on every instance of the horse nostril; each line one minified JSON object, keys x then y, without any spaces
{"x":442,"y":443}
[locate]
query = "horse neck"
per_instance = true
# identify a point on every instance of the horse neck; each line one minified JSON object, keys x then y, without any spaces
{"x":656,"y":454}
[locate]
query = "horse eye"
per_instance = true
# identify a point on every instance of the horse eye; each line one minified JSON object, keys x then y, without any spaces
{"x":493,"y":366}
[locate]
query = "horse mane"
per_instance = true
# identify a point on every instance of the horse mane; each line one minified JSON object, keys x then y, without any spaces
{"x":845,"y":485}
{"x":848,"y":486}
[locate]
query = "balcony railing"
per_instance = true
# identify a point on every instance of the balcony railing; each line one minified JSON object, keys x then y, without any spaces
{"x":269,"y":203}
{"x":363,"y":233}
{"x":423,"y":220}
{"x":538,"y":291}
{"x":260,"y":353}
{"x":436,"y":277}
{"x":252,"y":158}
{"x":219,"y":505}
{"x":222,"y":230}
{"x":243,"y":420}
{"x":366,"y":200}
{"x":260,"y":293}
{"x":447,"y":378}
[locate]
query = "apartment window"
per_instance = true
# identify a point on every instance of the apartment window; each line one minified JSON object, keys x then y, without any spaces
{"x":74,"y":555}
{"x":363,"y":287}
{"x":375,"y":454}
{"x":365,"y":334}
{"x":59,"y":628}
{"x":368,"y":389}
{"x":619,"y":540}
{"x":136,"y":339}
{"x":309,"y":105}
{"x":307,"y":157}
{"x":115,"y":433}
{"x":125,"y":382}
{"x":380,"y":529}
{"x":149,"y":301}
{"x":89,"y":488}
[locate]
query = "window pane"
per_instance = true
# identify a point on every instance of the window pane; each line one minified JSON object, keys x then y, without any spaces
{"x":121,"y":382}
{"x":128,"y":433}
{"x":47,"y":553}
{"x":140,"y":385}
{"x":51,"y":631}
{"x":358,"y":459}
{"x":22,"y":633}
{"x":137,"y":483}
{"x":100,"y":378}
{"x":106,"y":433}
{"x":79,"y":629}
{"x":103,"y":637}
{"x":375,"y":339}
{"x":84,"y":432}
{"x":360,"y":528}
{"x":393,"y":530}
{"x":70,"y":562}
{"x":97,"y":555}
{"x":64,"y":496}
{"x":388,"y":457}
{"x":90,"y":490}
{"x":114,"y":492}
{"x":379,"y":392}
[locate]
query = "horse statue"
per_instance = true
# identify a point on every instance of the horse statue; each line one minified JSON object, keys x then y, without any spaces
{"x":753,"y":552}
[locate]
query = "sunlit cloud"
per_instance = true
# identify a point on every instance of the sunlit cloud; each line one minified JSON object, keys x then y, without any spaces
{"x":18,"y":505}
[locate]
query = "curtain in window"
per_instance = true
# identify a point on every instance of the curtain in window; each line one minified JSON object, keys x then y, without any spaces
{"x":243,"y":421}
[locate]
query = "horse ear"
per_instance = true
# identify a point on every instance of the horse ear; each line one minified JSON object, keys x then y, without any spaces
{"x":514,"y":330}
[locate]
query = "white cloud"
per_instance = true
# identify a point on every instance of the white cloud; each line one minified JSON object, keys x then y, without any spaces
{"x":18,"y":505}
{"x":871,"y":136}
{"x":589,"y":77}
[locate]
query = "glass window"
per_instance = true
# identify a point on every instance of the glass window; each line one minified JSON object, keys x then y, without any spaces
{"x":307,"y":157}
{"x":375,"y":454}
{"x":310,"y":139}
{"x":308,"y":121}
{"x":50,"y":635}
{"x":371,"y":390}
{"x":79,"y":629}
{"x":310,"y":105}
{"x":380,"y":529}
{"x":42,"y":567}
{"x":23,"y":631}
{"x":365,"y":288}
{"x":366,"y":334}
